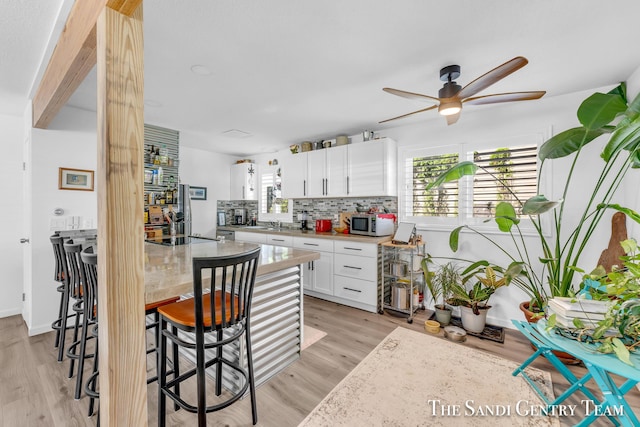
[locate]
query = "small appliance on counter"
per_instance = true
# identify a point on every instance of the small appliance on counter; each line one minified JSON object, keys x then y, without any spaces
{"x":372,"y":224}
{"x":304,"y":217}
{"x":323,"y":225}
{"x":240,"y":216}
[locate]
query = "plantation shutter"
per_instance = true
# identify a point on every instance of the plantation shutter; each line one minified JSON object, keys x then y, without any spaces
{"x":506,"y":175}
{"x":441,"y":201}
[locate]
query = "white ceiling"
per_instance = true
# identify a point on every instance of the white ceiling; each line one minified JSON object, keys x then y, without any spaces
{"x":292,"y":70}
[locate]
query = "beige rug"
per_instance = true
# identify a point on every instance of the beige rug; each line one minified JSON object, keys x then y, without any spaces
{"x":311,"y":336}
{"x":412,"y":379}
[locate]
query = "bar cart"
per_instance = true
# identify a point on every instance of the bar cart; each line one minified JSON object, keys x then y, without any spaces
{"x":402,"y":278}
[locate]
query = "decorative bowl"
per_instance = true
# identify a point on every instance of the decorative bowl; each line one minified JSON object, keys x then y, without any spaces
{"x":432,"y":326}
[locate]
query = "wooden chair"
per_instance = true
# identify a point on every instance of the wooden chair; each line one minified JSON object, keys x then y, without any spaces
{"x":223,"y":315}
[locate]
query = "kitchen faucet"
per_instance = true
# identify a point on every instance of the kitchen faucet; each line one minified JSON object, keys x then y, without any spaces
{"x":276,"y":224}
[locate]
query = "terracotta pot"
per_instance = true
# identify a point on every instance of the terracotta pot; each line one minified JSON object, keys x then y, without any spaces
{"x":530,"y":316}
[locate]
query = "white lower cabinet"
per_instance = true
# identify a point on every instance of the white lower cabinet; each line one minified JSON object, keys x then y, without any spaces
{"x":247,"y":236}
{"x":317,"y":276}
{"x":356,"y":274}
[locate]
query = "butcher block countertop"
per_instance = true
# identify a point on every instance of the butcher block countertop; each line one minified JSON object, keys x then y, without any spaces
{"x":168,"y":269}
{"x":309,"y":233}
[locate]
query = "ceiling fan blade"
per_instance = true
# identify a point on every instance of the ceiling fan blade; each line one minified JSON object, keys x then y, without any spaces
{"x":492,"y":77}
{"x":411,"y":95}
{"x":410,"y":114}
{"x":504,"y":97}
{"x":452,"y":118}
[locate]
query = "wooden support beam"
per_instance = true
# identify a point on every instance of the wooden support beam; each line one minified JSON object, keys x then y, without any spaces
{"x":126,"y":7}
{"x":73,"y":57}
{"x":71,"y":61}
{"x":123,"y":389}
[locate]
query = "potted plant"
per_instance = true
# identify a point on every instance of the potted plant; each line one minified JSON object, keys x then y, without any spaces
{"x":618,"y":331}
{"x":552,"y":274}
{"x":473,"y":299}
{"x":440,"y":282}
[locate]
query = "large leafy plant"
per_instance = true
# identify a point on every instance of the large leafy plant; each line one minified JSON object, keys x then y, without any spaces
{"x":600,"y":114}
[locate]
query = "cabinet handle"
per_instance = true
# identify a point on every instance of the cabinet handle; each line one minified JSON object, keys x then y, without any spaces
{"x":347,"y":185}
{"x":278,"y":240}
{"x":243,"y":191}
{"x":311,"y":244}
{"x":326,"y":186}
{"x":352,"y":249}
{"x":313,"y":265}
{"x":354,"y":268}
{"x":352,"y":290}
{"x":304,"y":187}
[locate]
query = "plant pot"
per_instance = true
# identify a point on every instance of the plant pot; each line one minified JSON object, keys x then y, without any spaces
{"x":531,"y":317}
{"x":474,"y":322}
{"x":443,"y":315}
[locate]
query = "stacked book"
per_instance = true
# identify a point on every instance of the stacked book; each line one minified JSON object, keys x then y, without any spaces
{"x":589,"y":312}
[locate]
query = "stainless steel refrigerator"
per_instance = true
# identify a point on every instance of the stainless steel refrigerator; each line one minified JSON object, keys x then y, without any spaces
{"x":184,"y":210}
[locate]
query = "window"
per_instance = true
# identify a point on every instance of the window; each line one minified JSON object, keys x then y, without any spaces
{"x":508,"y":172}
{"x":506,"y":175}
{"x":271,"y":206}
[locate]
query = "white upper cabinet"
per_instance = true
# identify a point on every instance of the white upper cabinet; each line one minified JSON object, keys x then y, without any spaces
{"x":372,"y":168}
{"x":356,"y":170}
{"x":294,"y":176}
{"x":244,"y":181}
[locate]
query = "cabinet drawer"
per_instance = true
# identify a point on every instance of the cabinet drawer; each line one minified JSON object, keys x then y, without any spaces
{"x":278,"y":240}
{"x":324,"y":245}
{"x":247,"y":236}
{"x":355,"y":266}
{"x":356,"y":248}
{"x":363,"y":291}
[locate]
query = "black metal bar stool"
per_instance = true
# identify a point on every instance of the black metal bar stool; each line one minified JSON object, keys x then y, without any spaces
{"x":84,"y":308}
{"x":61,"y":276}
{"x":223,"y":314}
{"x":90,"y":277}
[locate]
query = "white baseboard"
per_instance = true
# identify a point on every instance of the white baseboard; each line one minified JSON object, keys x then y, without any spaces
{"x":10,"y":312}
{"x":42,"y":329}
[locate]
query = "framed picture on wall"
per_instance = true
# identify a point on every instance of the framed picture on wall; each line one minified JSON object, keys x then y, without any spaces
{"x":75,"y":179}
{"x":198,"y":193}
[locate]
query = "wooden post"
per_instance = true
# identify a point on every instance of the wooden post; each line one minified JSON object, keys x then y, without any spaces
{"x":123,"y":390}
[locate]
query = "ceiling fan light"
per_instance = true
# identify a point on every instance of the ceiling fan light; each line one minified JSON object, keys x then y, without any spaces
{"x":449,"y":108}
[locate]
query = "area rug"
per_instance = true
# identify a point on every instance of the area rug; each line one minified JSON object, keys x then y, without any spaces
{"x":311,"y":336}
{"x":412,"y":379}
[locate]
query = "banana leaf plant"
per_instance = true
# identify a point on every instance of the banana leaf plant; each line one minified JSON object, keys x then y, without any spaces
{"x":600,"y":114}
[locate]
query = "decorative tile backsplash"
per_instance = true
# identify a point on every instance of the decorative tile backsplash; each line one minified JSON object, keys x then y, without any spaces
{"x":316,"y":208}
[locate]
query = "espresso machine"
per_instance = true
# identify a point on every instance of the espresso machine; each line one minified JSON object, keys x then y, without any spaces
{"x":240,"y":216}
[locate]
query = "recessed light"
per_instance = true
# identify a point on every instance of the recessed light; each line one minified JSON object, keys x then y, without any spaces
{"x":235,"y":133}
{"x":200,"y":70}
{"x":152,"y":103}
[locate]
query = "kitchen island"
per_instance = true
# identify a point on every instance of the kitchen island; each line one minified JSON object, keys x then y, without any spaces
{"x":277,"y":308}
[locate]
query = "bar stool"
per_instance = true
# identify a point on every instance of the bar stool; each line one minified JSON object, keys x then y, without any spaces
{"x":89,"y":261}
{"x":60,"y":275}
{"x":222,"y":314}
{"x":84,"y":306}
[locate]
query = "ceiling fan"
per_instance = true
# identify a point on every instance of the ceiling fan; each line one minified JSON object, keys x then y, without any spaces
{"x":452,"y":95}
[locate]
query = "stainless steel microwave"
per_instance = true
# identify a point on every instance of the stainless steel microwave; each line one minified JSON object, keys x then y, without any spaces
{"x":371,"y":225}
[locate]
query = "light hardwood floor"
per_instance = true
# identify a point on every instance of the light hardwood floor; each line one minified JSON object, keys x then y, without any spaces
{"x":34,"y":390}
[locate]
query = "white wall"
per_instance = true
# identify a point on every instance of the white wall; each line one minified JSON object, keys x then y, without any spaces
{"x":11,"y":135}
{"x":69,"y":142}
{"x":205,"y":169}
